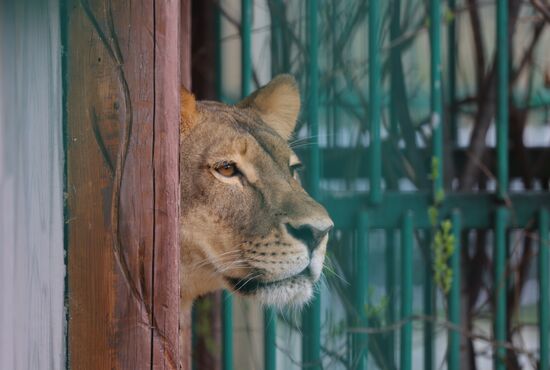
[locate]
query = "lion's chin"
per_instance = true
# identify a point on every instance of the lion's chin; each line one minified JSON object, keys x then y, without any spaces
{"x":291,"y":292}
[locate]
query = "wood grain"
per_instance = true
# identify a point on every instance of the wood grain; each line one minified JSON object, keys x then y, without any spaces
{"x":123,"y":198}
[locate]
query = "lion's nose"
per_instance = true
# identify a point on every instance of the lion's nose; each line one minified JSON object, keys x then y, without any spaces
{"x":311,"y":233}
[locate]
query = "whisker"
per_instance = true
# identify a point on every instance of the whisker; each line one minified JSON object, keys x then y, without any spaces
{"x":209,"y":260}
{"x":309,"y":137}
{"x":215,"y":258}
{"x":239,"y":264}
{"x":325,"y":266}
{"x":251,"y":274}
{"x":247,"y":281}
{"x":231,"y":293}
{"x":328,"y":265}
{"x":304,"y":145}
{"x":219,"y":255}
{"x":303,"y":139}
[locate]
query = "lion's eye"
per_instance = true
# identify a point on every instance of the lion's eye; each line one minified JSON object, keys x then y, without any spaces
{"x":295,"y":171}
{"x":227,"y":169}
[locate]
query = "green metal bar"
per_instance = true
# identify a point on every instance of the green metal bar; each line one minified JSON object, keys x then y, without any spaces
{"x":276,"y":39}
{"x":218,"y":62}
{"x":360,"y":292}
{"x":502,"y":97}
{"x":395,"y":33}
{"x":227,"y":331}
{"x":246,"y":44}
{"x":477,"y":209}
{"x":437,"y":171}
{"x":452,"y":51}
{"x":428,"y":311}
{"x":375,"y":103}
{"x":334,"y":62}
{"x":406,"y":290}
{"x":390,"y":290}
{"x":500,"y":286}
{"x":313,"y":99}
{"x":311,"y":317}
{"x":270,"y":339}
{"x":435,"y":91}
{"x":544,"y":294}
{"x":453,"y":352}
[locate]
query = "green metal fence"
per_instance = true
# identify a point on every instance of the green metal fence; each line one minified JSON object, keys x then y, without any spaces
{"x":402,"y":214}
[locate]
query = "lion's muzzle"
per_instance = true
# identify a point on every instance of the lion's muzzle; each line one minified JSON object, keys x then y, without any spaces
{"x":311,"y":234}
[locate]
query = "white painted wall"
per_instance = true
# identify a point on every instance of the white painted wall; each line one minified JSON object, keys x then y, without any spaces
{"x":31,"y":172}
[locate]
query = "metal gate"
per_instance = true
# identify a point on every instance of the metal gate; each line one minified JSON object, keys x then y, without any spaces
{"x":436,"y":211}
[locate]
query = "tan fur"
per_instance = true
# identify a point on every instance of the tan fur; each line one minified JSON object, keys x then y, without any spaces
{"x":278,"y":104}
{"x":238,"y":232}
{"x":189,"y":115}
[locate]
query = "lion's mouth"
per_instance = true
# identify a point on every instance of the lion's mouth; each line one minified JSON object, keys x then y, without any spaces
{"x":250,"y":286}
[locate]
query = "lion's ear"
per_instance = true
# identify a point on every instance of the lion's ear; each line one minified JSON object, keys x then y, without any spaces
{"x":278,"y":103}
{"x":189,"y":116}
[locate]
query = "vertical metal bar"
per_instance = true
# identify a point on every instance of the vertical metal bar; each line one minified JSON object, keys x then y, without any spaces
{"x":437,"y":147}
{"x":246,"y":44}
{"x":435,"y":91}
{"x":313,"y":98}
{"x":276,"y":39}
{"x":218,"y":62}
{"x":270,"y":338}
{"x":544,"y":294}
{"x":453,"y":352}
{"x":360,"y":291}
{"x":502,"y":97}
{"x":227,"y":331}
{"x":406,"y":290}
{"x":334,"y":60}
{"x":311,"y":318}
{"x":428,"y":311}
{"x":395,"y":32}
{"x":375,"y":102}
{"x":452,"y":51}
{"x":390,"y":290}
{"x":500,"y":286}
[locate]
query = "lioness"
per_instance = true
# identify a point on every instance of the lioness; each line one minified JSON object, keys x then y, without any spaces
{"x":247,"y":224}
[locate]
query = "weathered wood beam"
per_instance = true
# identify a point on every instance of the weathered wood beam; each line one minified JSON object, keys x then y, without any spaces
{"x":122,"y":107}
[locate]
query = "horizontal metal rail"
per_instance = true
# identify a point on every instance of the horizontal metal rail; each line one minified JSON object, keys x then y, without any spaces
{"x":344,"y":162}
{"x":477,"y":209}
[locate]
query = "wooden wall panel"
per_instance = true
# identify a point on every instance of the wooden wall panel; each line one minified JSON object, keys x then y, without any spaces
{"x":123,"y":185}
{"x":31,"y":187}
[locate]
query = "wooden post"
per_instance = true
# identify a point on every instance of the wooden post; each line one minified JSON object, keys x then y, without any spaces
{"x":122,"y":77}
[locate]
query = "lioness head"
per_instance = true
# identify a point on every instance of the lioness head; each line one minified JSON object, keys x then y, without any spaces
{"x":247,"y":223}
